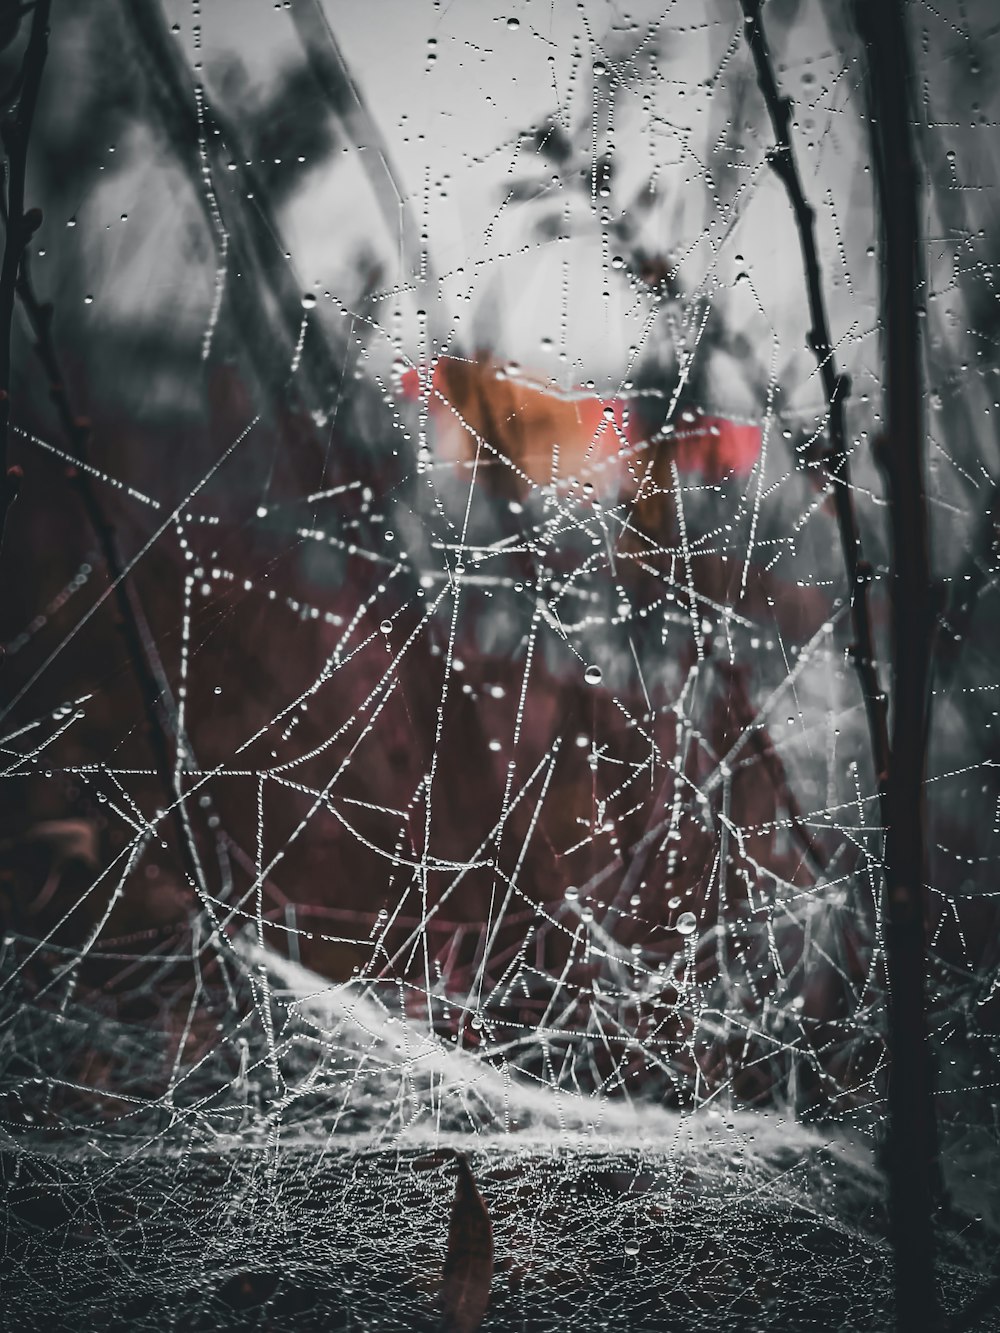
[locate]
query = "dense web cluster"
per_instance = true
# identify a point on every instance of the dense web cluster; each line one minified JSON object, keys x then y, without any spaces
{"x":468,"y":752}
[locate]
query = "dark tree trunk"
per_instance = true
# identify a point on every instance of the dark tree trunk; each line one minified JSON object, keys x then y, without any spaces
{"x":912,"y":1145}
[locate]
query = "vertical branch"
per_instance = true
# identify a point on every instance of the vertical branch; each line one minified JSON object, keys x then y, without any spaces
{"x":912,"y":1159}
{"x":836,"y":388}
{"x":154,"y":689}
{"x":144,"y":659}
{"x":15,"y":282}
{"x":899,"y":761}
{"x":16,"y":132}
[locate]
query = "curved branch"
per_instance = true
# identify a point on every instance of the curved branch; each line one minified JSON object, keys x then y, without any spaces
{"x":836,"y":387}
{"x":154,"y":688}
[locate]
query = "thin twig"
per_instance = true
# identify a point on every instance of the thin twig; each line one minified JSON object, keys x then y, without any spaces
{"x":912,"y":1148}
{"x":836,"y":387}
{"x":16,"y":132}
{"x":15,"y":282}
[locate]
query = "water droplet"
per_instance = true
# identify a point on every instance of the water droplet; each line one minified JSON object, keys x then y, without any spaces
{"x":687,"y":923}
{"x":386,"y":627}
{"x":308,"y":300}
{"x":513,"y":22}
{"x":593,"y":675}
{"x":632,"y":1247}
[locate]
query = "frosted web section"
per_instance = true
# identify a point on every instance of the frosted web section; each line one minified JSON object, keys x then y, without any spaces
{"x":519,"y":796}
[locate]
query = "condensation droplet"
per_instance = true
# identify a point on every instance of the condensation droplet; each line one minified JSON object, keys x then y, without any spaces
{"x":593,"y":675}
{"x":687,"y":923}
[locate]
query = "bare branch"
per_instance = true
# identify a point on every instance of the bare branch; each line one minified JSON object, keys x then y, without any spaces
{"x":16,"y":132}
{"x":146,"y":666}
{"x":836,"y":387}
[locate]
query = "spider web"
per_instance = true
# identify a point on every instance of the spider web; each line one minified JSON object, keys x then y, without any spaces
{"x":452,"y":401}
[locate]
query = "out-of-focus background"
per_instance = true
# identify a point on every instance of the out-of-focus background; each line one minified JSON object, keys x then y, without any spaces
{"x":428,"y":705}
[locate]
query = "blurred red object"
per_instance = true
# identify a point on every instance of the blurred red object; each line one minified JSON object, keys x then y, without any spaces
{"x":550,"y":436}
